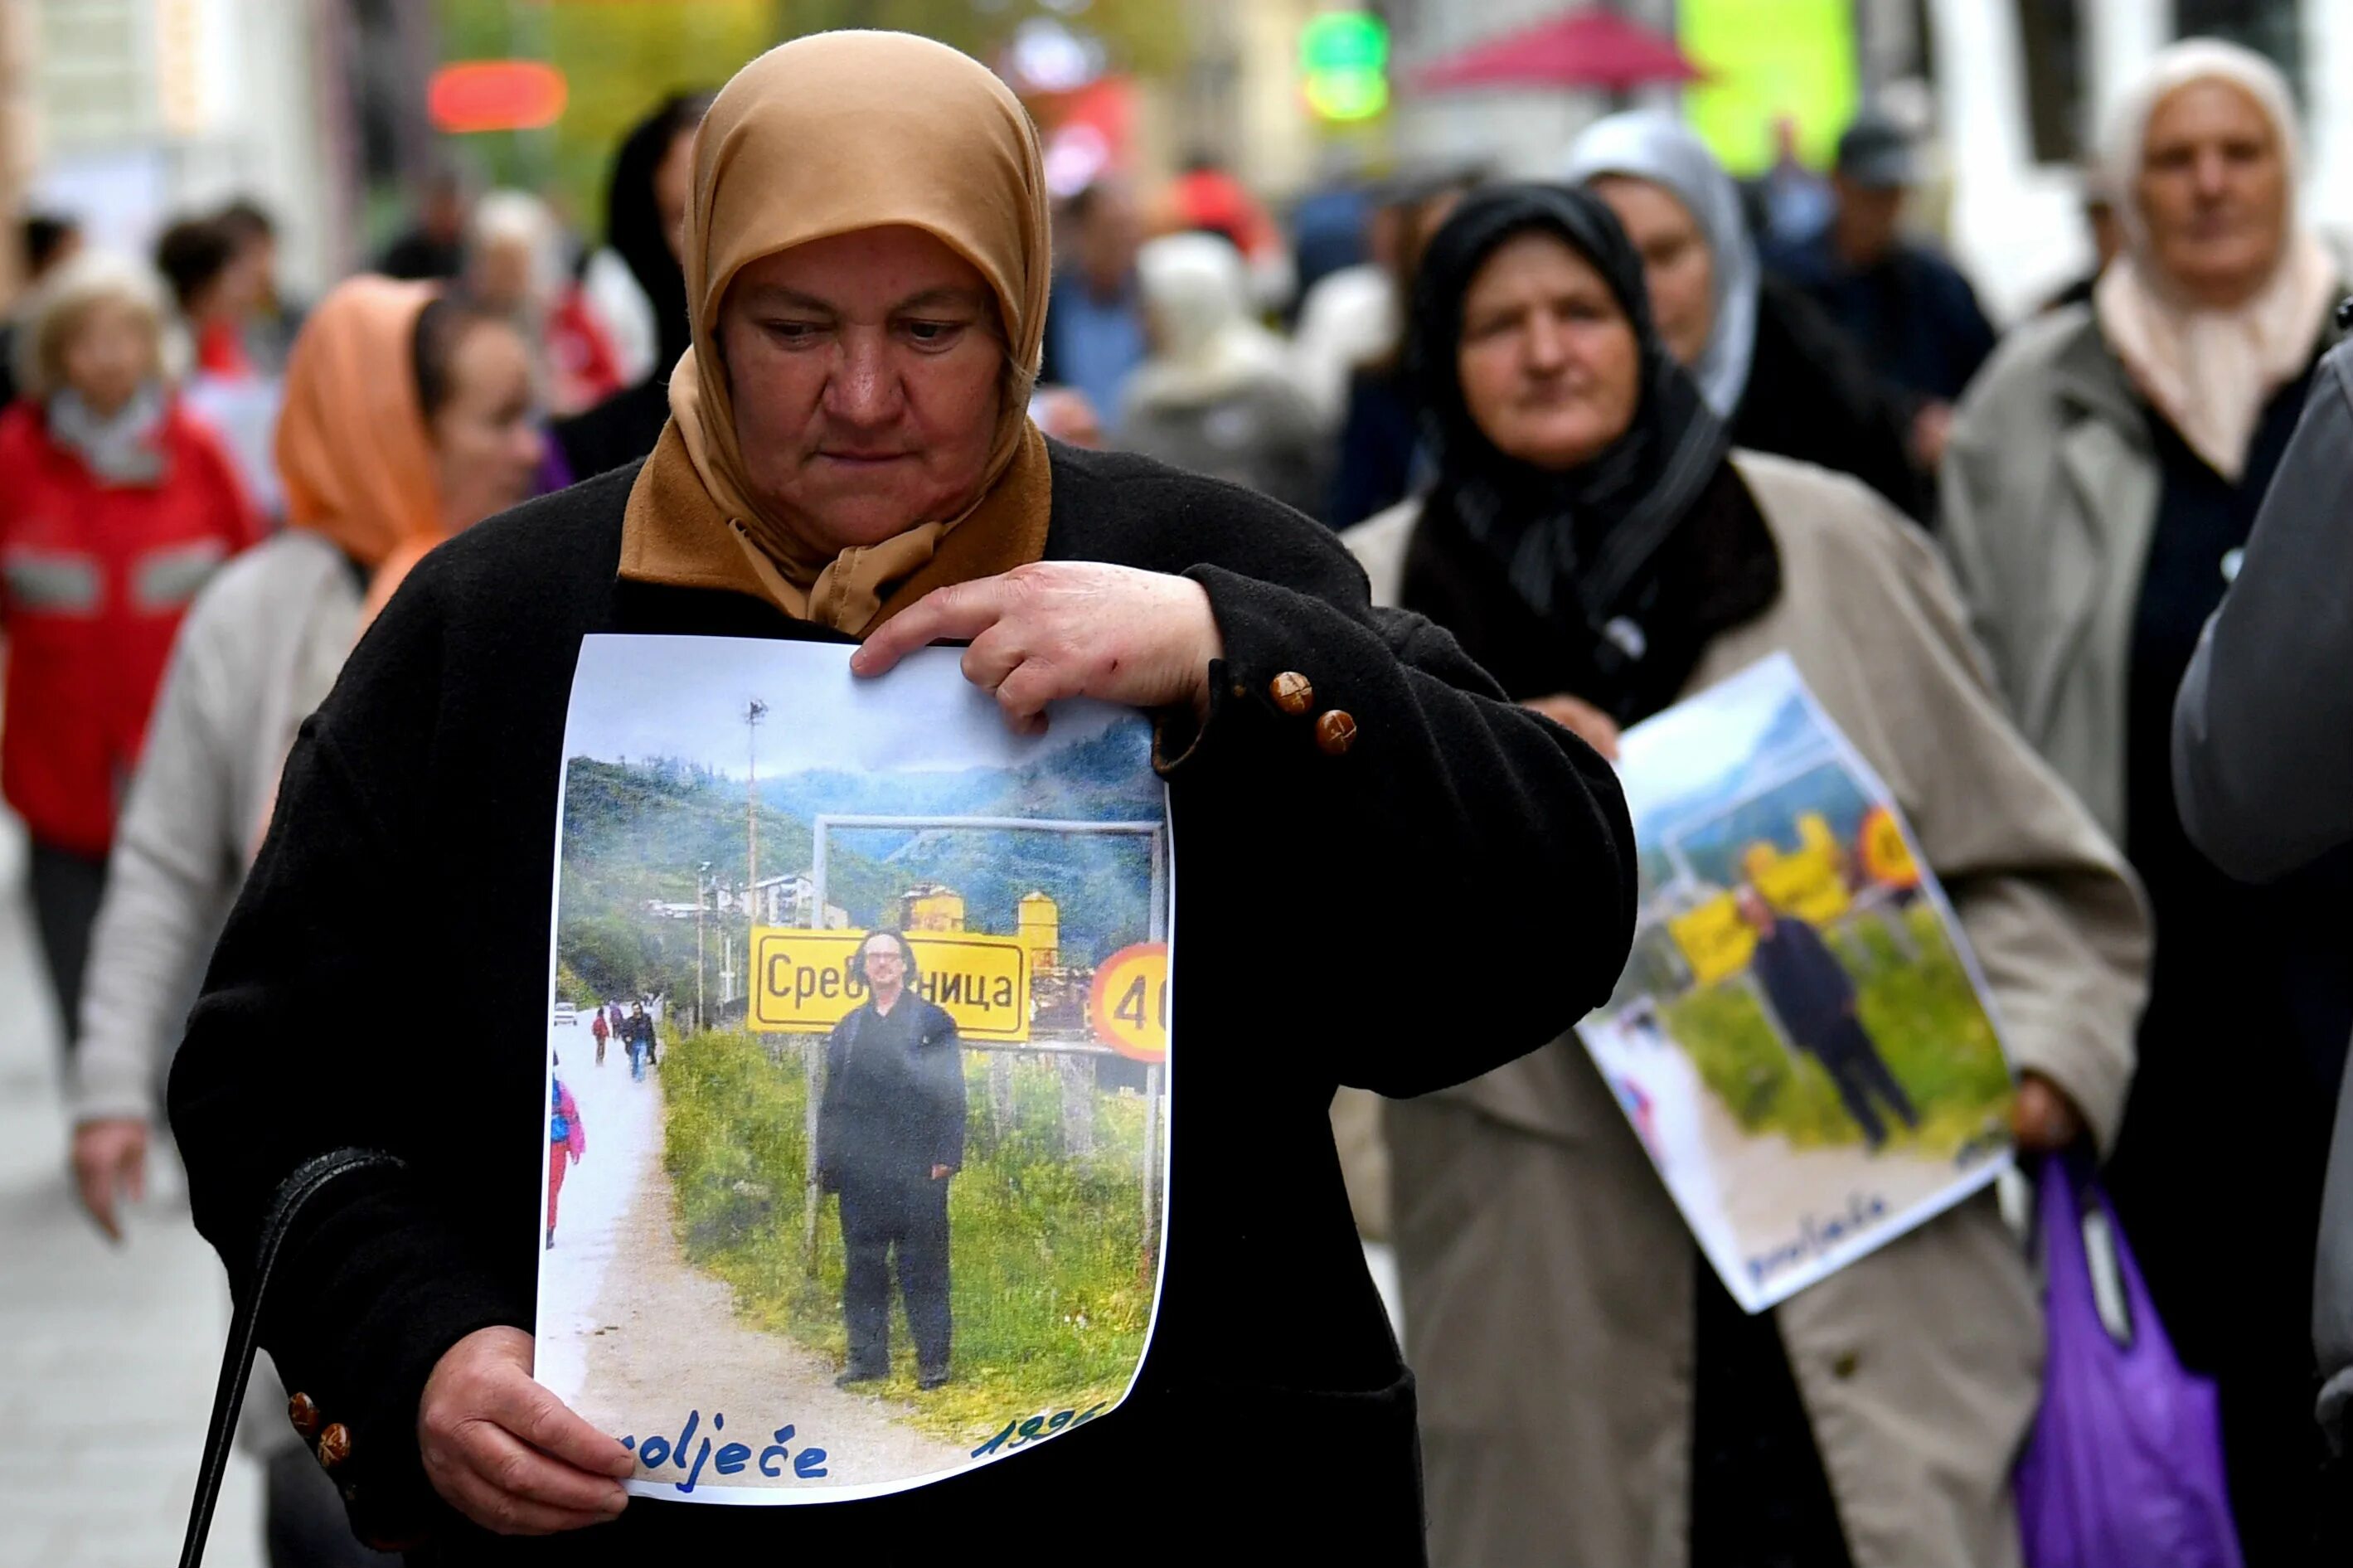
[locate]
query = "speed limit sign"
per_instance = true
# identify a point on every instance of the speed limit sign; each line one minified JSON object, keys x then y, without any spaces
{"x":1128,"y":1004}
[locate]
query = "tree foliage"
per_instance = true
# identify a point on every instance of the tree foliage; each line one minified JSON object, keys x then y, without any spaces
{"x":622,"y":56}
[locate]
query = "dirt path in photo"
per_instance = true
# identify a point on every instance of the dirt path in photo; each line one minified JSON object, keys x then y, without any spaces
{"x":1765,"y":1181}
{"x":662,"y":1338}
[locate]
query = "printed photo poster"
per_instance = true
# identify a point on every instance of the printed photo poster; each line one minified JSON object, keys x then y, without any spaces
{"x":859,"y":1093}
{"x":1802,"y":1038}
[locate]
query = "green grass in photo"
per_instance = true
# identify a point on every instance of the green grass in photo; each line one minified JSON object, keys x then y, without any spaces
{"x":1915,"y":1000}
{"x":1049,"y":1283}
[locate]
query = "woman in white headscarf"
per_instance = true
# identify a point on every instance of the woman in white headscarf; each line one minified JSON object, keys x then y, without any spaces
{"x":1769,"y":363}
{"x":2104,"y":474}
{"x":1217,"y":395}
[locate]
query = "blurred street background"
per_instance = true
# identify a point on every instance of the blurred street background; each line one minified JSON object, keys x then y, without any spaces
{"x":257,"y":152}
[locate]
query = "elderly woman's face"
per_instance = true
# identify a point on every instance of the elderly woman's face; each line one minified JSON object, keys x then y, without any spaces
{"x":1549,"y":364}
{"x":866,"y":373}
{"x":107,"y":353}
{"x":1677,"y":265}
{"x":2213,"y":191}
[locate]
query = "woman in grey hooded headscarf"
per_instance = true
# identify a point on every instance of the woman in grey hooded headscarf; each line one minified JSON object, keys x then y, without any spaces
{"x":1770,"y":364}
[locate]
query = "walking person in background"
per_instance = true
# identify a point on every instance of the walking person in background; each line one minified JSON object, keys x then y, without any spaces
{"x":404,"y":422}
{"x":434,"y":251}
{"x":1216,"y":394}
{"x":890,"y":1136}
{"x":216,"y":296}
{"x":116,"y":510}
{"x":516,"y":266}
{"x":1592,"y":1394}
{"x":1903,"y":305}
{"x":271,"y":320}
{"x":645,"y":207}
{"x":567,"y":1141}
{"x":49,"y":242}
{"x":1814,"y":998}
{"x":637,"y":1034}
{"x":1380,"y":452}
{"x":602,"y":1031}
{"x":1095,"y":326}
{"x":1772,"y":366}
{"x":2103,"y":477}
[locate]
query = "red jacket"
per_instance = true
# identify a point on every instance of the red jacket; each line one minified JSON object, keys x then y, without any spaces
{"x":93,"y":581}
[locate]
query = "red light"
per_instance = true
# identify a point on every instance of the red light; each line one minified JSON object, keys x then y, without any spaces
{"x":495,"y":95}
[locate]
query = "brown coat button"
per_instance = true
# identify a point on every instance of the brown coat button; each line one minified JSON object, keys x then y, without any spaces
{"x":1846,"y":1365}
{"x":1293,"y":693}
{"x":334,"y":1445}
{"x":304,"y":1413}
{"x":1335,"y":731}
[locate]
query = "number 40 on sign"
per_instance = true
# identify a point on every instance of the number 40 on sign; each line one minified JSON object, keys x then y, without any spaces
{"x":1128,"y":1004}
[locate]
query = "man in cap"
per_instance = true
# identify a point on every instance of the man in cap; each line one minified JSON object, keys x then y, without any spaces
{"x":1908,"y":308}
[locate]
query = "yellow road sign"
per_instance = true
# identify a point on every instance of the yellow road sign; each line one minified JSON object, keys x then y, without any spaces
{"x":1128,"y":1005}
{"x":802,"y":983}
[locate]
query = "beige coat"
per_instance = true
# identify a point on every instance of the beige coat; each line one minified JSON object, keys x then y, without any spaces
{"x":2049,"y":498}
{"x":1548,"y":1286}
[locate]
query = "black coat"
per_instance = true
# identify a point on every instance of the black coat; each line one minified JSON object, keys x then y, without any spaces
{"x":1810,"y":989}
{"x":1813,"y":396}
{"x":1314,"y":926}
{"x":893,"y":1105}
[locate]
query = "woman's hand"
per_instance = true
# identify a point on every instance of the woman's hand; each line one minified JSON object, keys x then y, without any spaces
{"x":110,"y":1159}
{"x":1581,"y":719}
{"x":506,"y":1452}
{"x":2042,"y":1119}
{"x":1065,"y":629}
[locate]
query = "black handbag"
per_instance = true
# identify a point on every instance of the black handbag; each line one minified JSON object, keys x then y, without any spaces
{"x":294,"y":1194}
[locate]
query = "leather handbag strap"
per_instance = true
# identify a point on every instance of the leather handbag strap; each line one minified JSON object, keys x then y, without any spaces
{"x":245,"y":1327}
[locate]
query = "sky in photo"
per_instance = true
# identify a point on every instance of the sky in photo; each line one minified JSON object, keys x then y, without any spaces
{"x":643,"y":697}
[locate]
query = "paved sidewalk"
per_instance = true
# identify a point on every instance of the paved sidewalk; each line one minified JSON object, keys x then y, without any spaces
{"x":107,"y":1355}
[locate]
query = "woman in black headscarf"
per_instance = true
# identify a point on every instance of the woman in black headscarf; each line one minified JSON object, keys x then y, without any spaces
{"x":643,"y":207}
{"x":1592,"y":1390}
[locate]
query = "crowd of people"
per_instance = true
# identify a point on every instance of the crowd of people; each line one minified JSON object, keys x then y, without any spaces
{"x":1505,"y":466}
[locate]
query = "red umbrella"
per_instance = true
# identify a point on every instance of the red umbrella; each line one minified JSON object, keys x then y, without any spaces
{"x":1592,"y":47}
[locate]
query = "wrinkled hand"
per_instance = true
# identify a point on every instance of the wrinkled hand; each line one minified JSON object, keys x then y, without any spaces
{"x":506,"y":1452}
{"x":2042,"y":1119}
{"x":110,"y":1159}
{"x":1581,"y":719}
{"x":1052,"y":630}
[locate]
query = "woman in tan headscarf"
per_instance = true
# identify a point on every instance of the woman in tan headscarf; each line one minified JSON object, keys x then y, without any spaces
{"x":2103,"y":477}
{"x":850,"y":458}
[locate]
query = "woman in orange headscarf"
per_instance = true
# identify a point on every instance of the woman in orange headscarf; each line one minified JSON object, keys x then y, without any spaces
{"x":850,"y":459}
{"x":406,"y":418}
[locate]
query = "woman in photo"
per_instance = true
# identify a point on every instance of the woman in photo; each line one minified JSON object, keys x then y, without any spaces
{"x":1592,"y":1395}
{"x":890,"y":1136}
{"x":848,"y":459}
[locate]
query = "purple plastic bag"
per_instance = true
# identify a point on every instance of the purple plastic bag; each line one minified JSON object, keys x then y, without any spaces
{"x":2125,"y":1465}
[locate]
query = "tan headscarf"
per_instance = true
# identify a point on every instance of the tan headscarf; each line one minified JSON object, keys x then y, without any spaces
{"x":2209,"y":372}
{"x":825,"y":135}
{"x":353,"y":450}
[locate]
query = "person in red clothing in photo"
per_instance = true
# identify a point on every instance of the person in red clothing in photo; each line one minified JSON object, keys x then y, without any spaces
{"x":118,"y":507}
{"x":567,"y":1141}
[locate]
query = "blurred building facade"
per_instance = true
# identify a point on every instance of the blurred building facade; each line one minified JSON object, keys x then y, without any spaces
{"x":137,"y":110}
